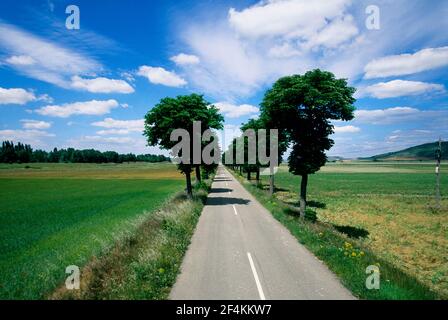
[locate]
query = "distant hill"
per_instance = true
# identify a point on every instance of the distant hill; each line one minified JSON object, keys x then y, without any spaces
{"x":334,"y":158}
{"x":422,"y":152}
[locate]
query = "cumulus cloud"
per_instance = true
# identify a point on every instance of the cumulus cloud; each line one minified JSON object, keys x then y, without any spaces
{"x":183,"y":59}
{"x":299,"y":19}
{"x":235,"y":111}
{"x":16,"y":96}
{"x":92,"y":107}
{"x":405,"y":64}
{"x":158,"y":75}
{"x":255,"y":46}
{"x":120,"y":127}
{"x":346,"y":129}
{"x":35,"y":124}
{"x":250,"y":47}
{"x":398,"y":88}
{"x":101,"y":85}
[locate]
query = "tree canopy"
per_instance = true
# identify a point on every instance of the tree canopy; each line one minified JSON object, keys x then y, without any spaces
{"x":180,"y":113}
{"x":302,"y":108}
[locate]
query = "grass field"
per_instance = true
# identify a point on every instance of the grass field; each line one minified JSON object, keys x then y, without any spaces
{"x":56,"y":215}
{"x":385,"y":207}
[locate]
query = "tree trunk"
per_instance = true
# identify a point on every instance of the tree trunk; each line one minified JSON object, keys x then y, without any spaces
{"x":189,"y":189}
{"x":271,"y":184}
{"x":248,"y":175}
{"x":303,"y":186}
{"x":198,"y":174}
{"x":258,"y":175}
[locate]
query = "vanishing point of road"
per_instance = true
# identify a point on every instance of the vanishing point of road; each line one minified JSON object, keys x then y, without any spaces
{"x":240,"y":252}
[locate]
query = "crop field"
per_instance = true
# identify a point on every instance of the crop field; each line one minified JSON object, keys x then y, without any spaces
{"x":385,"y":206}
{"x":56,"y":215}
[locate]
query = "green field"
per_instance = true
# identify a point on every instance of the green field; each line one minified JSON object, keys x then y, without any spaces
{"x":386,"y":207}
{"x":56,"y":215}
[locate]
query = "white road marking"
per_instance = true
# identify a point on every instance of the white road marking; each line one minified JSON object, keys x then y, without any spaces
{"x":234,"y":209}
{"x":257,"y":281}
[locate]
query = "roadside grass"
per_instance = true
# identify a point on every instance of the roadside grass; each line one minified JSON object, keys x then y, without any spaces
{"x":145,"y":264}
{"x":343,"y":247}
{"x":47,"y":224}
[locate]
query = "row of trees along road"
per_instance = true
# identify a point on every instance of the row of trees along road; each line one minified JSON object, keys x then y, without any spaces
{"x":302,"y":107}
{"x":180,"y":113}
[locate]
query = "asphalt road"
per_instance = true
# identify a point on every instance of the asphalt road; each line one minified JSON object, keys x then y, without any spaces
{"x":239,"y":251}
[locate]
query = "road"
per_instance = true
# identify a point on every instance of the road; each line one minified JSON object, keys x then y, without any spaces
{"x":239,"y":251}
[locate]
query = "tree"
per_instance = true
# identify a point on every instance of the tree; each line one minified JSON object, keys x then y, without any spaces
{"x":255,"y":125}
{"x":180,"y":113}
{"x":302,"y":108}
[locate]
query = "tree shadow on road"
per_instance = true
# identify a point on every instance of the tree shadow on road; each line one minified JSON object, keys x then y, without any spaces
{"x":220,"y":190}
{"x":222,"y":201}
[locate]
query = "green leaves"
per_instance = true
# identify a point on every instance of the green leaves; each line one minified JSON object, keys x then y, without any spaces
{"x":302,"y":107}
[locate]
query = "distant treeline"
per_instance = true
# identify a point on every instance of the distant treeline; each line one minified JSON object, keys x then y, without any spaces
{"x":23,"y":153}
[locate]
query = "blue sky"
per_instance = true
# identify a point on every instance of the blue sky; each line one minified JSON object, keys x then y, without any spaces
{"x":90,"y":88}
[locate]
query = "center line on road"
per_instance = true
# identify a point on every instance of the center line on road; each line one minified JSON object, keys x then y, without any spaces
{"x":257,"y":281}
{"x":234,"y":209}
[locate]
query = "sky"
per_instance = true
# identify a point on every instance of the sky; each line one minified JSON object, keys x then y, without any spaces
{"x":91,"y":87}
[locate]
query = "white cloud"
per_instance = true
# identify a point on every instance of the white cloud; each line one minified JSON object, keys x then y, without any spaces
{"x":158,"y":75}
{"x":235,"y":111}
{"x":36,"y":138}
{"x":405,"y":64}
{"x":251,"y":47}
{"x":385,"y":116}
{"x":300,"y":19}
{"x":428,"y":118}
{"x":128,"y":76}
{"x":284,"y":50}
{"x":227,"y":135}
{"x":335,"y":34}
{"x":257,"y":45}
{"x":113,"y":132}
{"x":346,"y":129}
{"x":16,"y":96}
{"x":398,"y":88}
{"x":52,"y":62}
{"x":101,"y":85}
{"x":21,"y":60}
{"x":135,"y":144}
{"x":45,"y":98}
{"x":183,"y":59}
{"x":35,"y":124}
{"x":92,"y":107}
{"x":120,"y":127}
{"x":109,"y":140}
